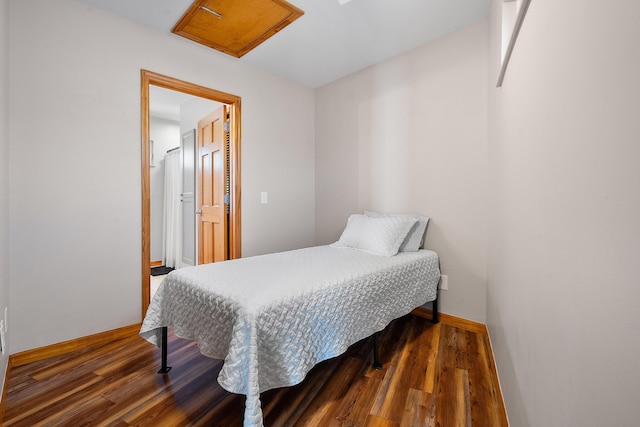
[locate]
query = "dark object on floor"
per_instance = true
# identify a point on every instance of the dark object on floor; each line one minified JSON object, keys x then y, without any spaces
{"x":159,"y":271}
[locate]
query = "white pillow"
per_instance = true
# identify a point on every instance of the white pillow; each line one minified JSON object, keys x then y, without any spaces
{"x":415,"y":237}
{"x":382,"y":236}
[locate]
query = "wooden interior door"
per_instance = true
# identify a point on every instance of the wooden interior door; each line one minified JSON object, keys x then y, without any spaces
{"x":212,"y":173}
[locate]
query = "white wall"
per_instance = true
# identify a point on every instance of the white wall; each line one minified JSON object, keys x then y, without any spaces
{"x":4,"y":170}
{"x":564,"y":210}
{"x":75,"y":155}
{"x":165,"y":135}
{"x":192,"y":111}
{"x":410,"y":135}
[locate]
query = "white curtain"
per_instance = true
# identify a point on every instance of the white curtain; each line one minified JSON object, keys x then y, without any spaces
{"x":172,"y":228}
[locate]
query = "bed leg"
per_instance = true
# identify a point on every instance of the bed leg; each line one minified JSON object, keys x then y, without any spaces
{"x":435,"y":318}
{"x":164,"y":368}
{"x":376,"y":356}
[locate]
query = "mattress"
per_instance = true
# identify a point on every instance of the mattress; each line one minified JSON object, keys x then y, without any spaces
{"x":273,"y":317}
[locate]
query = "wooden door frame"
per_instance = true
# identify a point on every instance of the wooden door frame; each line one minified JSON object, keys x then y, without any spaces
{"x":149,"y":78}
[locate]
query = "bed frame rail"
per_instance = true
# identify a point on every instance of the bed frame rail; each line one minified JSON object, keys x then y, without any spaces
{"x":164,"y":368}
{"x":434,"y":319}
{"x":376,"y":356}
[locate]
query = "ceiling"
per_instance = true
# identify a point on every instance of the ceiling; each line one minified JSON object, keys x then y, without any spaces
{"x":330,"y":40}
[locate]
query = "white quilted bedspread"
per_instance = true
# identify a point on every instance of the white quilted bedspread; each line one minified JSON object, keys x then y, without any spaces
{"x":273,"y":317}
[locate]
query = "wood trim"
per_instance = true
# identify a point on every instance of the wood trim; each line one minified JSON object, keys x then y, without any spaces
{"x":235,"y":237}
{"x":234,"y":103}
{"x":479,"y":328}
{"x":4,"y":388}
{"x":146,"y":192}
{"x":156,"y":264}
{"x":52,"y":350}
{"x":458,"y":322}
{"x":171,"y":83}
{"x":496,"y":380}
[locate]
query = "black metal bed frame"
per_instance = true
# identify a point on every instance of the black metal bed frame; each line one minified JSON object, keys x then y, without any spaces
{"x":435,"y":318}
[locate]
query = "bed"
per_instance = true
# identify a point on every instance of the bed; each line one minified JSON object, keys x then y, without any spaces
{"x":273,"y":317}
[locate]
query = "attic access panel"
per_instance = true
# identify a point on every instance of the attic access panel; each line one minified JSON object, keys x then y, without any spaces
{"x":235,"y":26}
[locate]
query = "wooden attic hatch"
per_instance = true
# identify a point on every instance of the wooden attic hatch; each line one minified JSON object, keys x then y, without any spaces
{"x":235,"y":27}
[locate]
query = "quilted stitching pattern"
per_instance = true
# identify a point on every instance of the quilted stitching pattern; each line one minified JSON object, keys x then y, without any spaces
{"x":273,"y":317}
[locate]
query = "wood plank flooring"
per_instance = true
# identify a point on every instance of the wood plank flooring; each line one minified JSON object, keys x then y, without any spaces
{"x":432,"y":375}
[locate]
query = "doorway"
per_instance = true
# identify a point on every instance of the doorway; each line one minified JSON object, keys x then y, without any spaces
{"x":233,"y":102}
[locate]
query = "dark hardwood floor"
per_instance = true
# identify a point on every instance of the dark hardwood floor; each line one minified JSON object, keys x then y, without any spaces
{"x":433,"y":375}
